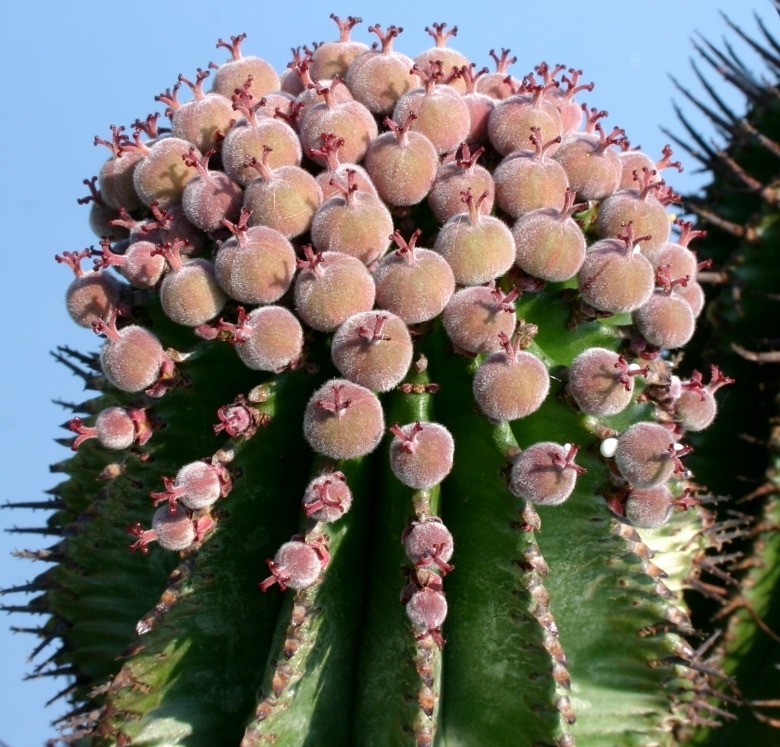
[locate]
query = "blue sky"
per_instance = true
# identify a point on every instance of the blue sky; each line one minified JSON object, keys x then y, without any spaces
{"x":72,"y":69}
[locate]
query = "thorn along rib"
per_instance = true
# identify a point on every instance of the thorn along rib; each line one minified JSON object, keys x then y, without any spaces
{"x":351,"y":470}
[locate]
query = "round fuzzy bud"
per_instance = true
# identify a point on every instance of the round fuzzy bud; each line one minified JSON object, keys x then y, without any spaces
{"x":162,"y":175}
{"x":257,"y":265}
{"x":270,"y":339}
{"x":132,"y":358}
{"x":284,"y":199}
{"x":92,"y":296}
{"x":675,"y":254}
{"x":695,"y":406}
{"x":343,"y":420}
{"x":210,"y":197}
{"x":237,"y":71}
{"x":475,"y":318}
{"x":479,"y":105}
{"x":349,"y":121}
{"x":204,"y":120}
{"x":336,"y":174}
{"x":645,"y":454}
{"x":373,"y":349}
{"x":601,"y":383}
{"x":693,"y":293}
{"x":427,"y":610}
{"x":190,"y":294}
{"x":563,"y":98}
{"x":615,"y":276}
{"x":477,"y":247}
{"x":296,"y":565}
{"x":455,"y":178}
{"x":666,"y":320}
{"x":173,"y":529}
{"x":101,"y":220}
{"x":290,"y":81}
{"x":695,"y":409}
{"x":412,"y":282}
{"x":450,"y":59}
{"x":334,"y":58}
{"x":248,"y":139}
{"x":378,"y":78}
{"x":510,"y":384}
{"x":549,"y":243}
{"x":642,"y":208}
{"x":354,"y":222}
{"x":238,"y":418}
{"x":592,"y":167}
{"x":429,"y":545}
{"x":499,"y":85}
{"x":635,"y":161}
{"x":527,"y":181}
{"x":115,"y":180}
{"x":311,"y":97}
{"x":115,"y":428}
{"x":631,"y":163}
{"x":402,"y":164}
{"x":649,"y":508}
{"x":330,"y":288}
{"x":278,"y":104}
{"x":675,"y":260}
{"x":197,"y":485}
{"x":141,"y":264}
{"x":421,"y":454}
{"x":440,"y":113}
{"x":512,"y":119}
{"x":327,"y":497}
{"x":545,"y":473}
{"x":680,"y":260}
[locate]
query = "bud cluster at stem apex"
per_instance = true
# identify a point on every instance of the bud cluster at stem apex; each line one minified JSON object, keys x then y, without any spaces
{"x":360,"y":202}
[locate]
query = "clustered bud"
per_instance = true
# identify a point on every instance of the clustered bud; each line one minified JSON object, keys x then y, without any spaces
{"x":287,"y":215}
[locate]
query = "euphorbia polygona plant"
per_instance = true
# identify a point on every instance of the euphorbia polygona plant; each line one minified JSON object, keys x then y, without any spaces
{"x":387,"y":404}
